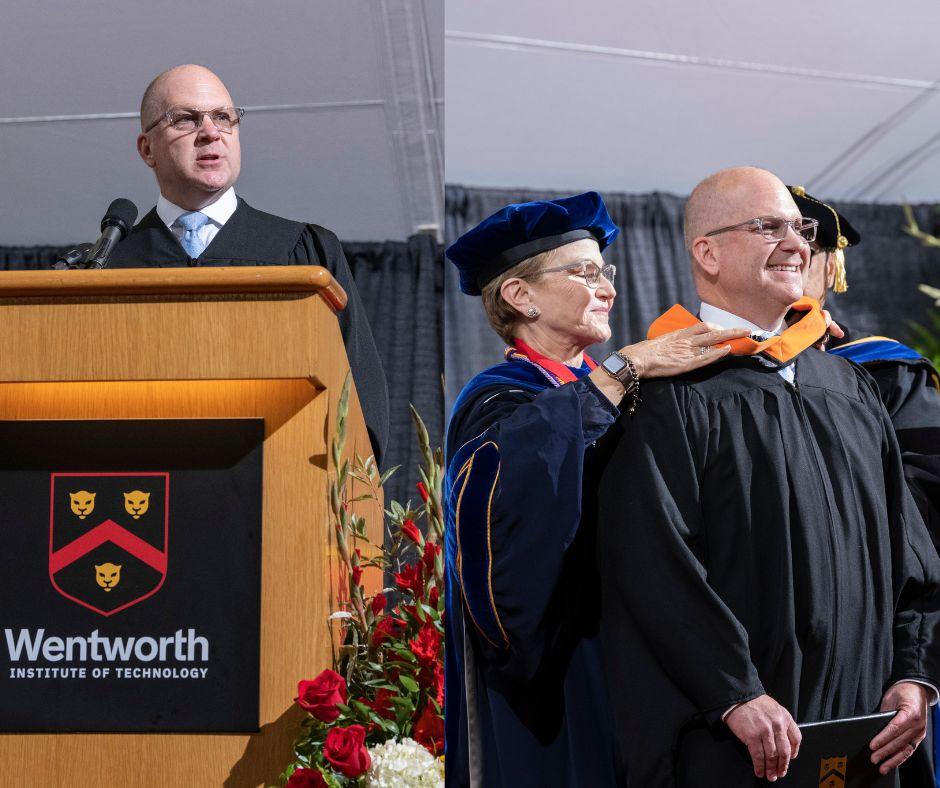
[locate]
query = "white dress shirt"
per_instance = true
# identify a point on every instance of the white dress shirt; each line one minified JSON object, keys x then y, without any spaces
{"x":218,"y":212}
{"x":712,"y":314}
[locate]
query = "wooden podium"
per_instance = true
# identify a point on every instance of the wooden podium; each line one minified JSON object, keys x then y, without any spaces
{"x":197,"y":343}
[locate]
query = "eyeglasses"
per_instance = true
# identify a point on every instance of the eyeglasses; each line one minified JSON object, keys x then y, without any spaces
{"x":773,"y":228}
{"x":590,"y":272}
{"x":186,"y":119}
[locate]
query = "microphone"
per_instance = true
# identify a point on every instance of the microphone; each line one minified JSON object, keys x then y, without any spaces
{"x":115,"y":226}
{"x":73,"y":258}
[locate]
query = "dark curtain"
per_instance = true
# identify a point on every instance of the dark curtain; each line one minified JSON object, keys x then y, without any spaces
{"x":653,"y":272}
{"x":401,"y":284}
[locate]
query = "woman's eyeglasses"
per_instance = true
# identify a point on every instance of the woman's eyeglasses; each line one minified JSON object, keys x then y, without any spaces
{"x":590,"y":272}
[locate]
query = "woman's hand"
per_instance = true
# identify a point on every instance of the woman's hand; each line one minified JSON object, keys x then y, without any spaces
{"x":671,"y":354}
{"x":681,"y":351}
{"x":832,"y":330}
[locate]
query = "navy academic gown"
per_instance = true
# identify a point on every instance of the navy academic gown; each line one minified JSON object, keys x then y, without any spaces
{"x":755,"y":536}
{"x":525,"y":700}
{"x":910,"y":390}
{"x":253,"y":237}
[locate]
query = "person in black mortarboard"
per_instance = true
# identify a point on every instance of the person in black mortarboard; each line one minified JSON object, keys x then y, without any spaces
{"x":525,"y":701}
{"x":762,"y":562}
{"x":909,"y":386}
{"x":190,"y":138}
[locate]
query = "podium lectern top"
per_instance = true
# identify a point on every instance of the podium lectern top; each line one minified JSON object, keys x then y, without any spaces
{"x":175,"y":281}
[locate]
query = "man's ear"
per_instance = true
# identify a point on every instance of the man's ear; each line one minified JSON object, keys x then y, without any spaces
{"x":517,"y":294}
{"x":705,"y":252}
{"x":830,"y":269}
{"x":143,"y":148}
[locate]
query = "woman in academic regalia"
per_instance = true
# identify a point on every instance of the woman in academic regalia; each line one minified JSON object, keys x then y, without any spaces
{"x":525,"y":701}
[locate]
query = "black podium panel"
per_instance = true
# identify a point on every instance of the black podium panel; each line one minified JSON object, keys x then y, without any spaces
{"x":130,"y":575}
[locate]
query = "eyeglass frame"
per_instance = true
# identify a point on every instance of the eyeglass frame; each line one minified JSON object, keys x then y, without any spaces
{"x":757,"y":224}
{"x":239,"y":114}
{"x":583,"y":265}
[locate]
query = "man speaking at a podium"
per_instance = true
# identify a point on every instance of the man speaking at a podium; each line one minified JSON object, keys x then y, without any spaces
{"x":190,"y":139}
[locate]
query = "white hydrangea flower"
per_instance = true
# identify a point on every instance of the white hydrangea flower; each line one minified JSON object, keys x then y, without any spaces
{"x":404,"y":764}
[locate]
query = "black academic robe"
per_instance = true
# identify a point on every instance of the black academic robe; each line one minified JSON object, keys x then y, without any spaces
{"x":252,"y":237}
{"x":910,"y":390}
{"x":525,"y":700}
{"x":753,"y":537}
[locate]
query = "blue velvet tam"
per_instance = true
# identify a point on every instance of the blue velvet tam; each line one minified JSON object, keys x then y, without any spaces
{"x":525,"y":229}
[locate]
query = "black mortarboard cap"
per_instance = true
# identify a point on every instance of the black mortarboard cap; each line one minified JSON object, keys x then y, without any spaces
{"x":832,"y":224}
{"x":833,"y":234}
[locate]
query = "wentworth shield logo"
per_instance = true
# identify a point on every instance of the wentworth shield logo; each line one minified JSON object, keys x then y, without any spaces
{"x":108,"y":536}
{"x":832,"y":772}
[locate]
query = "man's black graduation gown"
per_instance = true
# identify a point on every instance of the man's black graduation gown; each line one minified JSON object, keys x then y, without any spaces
{"x":525,"y":699}
{"x":252,"y":237}
{"x":755,"y":536}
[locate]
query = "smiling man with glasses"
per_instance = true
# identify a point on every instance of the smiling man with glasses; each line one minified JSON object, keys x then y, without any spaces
{"x":190,"y":138}
{"x":762,"y":561}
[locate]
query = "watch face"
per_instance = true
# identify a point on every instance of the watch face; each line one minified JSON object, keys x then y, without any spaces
{"x":614,"y":364}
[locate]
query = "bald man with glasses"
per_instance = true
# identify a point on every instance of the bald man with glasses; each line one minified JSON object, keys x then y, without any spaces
{"x":190,"y":138}
{"x":762,"y":561}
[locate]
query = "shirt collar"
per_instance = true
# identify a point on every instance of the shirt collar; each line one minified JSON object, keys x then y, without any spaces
{"x":218,"y":212}
{"x":712,"y":314}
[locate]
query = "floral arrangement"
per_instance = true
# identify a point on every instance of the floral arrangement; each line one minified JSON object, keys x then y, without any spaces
{"x":377,"y":718}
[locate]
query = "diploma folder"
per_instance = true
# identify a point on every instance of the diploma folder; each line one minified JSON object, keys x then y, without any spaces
{"x":835,"y":754}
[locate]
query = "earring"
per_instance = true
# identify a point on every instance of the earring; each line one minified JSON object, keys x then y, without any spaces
{"x":532,"y":311}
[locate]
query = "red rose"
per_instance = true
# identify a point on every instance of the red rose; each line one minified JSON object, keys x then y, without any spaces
{"x":356,"y":575}
{"x":346,"y":751}
{"x":430,"y":553}
{"x":378,"y":604}
{"x":409,"y":529}
{"x":434,"y":596}
{"x":306,"y":778}
{"x":427,"y":646}
{"x":321,"y":695}
{"x":429,"y":730}
{"x":410,"y":579}
{"x":423,"y":491}
{"x":388,"y":628}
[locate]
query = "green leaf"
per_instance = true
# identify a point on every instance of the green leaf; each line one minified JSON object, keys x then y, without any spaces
{"x":361,"y":708}
{"x":409,"y":683}
{"x":385,"y":476}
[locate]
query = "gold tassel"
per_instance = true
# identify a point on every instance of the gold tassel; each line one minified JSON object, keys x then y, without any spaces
{"x":839,"y":285}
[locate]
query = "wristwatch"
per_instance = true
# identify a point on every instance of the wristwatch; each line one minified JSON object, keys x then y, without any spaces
{"x":621,"y":369}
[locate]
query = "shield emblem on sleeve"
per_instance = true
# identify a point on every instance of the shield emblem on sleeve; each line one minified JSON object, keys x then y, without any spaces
{"x":108,"y":537}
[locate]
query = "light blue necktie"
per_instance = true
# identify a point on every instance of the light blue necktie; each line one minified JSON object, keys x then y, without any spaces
{"x":788,"y":373}
{"x":191,"y":222}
